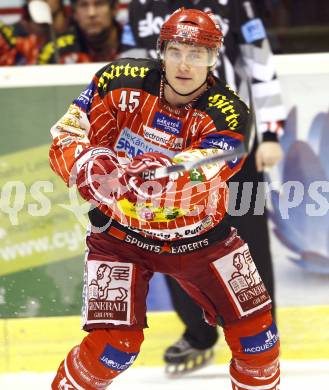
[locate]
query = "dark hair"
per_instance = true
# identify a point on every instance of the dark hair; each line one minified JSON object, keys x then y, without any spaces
{"x":113,"y":3}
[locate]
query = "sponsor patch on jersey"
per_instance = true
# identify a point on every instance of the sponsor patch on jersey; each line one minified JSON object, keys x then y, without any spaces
{"x":226,"y":107}
{"x":129,"y":239}
{"x":116,"y":71}
{"x":168,"y":124}
{"x":176,"y":143}
{"x":179,"y":232}
{"x":223,"y":142}
{"x":127,"y":37}
{"x":196,"y":176}
{"x":133,"y":144}
{"x":150,"y":212}
{"x":161,"y":248}
{"x":156,"y":135}
{"x":260,"y":342}
{"x":240,"y":279}
{"x":253,"y":30}
{"x":220,"y":141}
{"x":162,"y":138}
{"x":84,"y":99}
{"x":107,"y":297}
{"x":115,"y":359}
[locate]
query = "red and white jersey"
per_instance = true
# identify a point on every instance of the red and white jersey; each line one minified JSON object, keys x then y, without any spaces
{"x":122,"y":109}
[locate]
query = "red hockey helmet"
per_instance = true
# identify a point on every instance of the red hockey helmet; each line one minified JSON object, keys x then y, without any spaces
{"x":192,"y":26}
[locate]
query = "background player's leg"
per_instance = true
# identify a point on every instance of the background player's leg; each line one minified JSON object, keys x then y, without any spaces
{"x":195,"y":348}
{"x":199,"y":334}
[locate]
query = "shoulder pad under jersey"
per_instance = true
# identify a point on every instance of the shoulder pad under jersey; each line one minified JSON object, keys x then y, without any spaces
{"x":143,"y":74}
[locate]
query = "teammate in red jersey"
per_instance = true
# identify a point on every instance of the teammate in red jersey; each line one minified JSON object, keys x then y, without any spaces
{"x":136,"y":116}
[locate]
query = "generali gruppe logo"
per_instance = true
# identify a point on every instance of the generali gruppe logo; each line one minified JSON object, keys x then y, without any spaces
{"x":109,"y":291}
{"x":238,"y":274}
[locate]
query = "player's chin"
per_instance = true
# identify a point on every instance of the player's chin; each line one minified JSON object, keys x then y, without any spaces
{"x":183,"y":89}
{"x":93,"y":32}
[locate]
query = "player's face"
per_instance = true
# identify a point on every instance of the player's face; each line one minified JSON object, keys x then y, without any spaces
{"x":93,"y":16}
{"x":186,"y":66}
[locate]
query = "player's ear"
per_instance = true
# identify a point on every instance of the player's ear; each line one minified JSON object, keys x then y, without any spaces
{"x":211,"y":69}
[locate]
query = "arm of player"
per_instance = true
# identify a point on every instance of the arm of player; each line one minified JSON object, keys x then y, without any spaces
{"x":86,"y":125}
{"x":210,"y":140}
{"x":191,"y":185}
{"x":215,"y":143}
{"x":259,"y":66}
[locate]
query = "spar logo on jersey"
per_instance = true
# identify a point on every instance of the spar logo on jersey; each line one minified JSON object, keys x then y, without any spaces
{"x":84,"y":99}
{"x":133,"y":144}
{"x":167,"y":124}
{"x":260,"y":342}
{"x":115,"y":359}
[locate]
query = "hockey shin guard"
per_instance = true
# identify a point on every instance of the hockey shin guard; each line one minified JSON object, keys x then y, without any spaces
{"x":101,"y":356}
{"x":254,"y":343}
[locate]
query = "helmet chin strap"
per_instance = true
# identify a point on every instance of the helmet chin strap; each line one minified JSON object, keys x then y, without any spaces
{"x":184,"y":94}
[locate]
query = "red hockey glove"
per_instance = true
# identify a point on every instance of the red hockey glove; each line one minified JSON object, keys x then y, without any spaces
{"x":97,"y":175}
{"x":138,"y":180}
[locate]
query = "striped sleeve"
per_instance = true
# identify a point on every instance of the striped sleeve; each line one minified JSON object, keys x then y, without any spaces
{"x":86,"y":124}
{"x":258,"y":63}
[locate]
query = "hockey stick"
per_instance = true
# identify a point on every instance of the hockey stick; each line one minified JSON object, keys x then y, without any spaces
{"x":230,"y":155}
{"x":225,"y":155}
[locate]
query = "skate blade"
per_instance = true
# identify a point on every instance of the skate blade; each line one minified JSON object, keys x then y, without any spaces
{"x":193,"y":364}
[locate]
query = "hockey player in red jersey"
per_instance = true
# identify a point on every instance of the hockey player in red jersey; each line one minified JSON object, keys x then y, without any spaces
{"x":245,"y":58}
{"x":134,"y":117}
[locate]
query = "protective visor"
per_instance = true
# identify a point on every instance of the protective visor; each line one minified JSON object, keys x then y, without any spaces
{"x":189,"y":54}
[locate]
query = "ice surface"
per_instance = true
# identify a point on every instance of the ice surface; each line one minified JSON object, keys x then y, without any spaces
{"x":301,"y":375}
